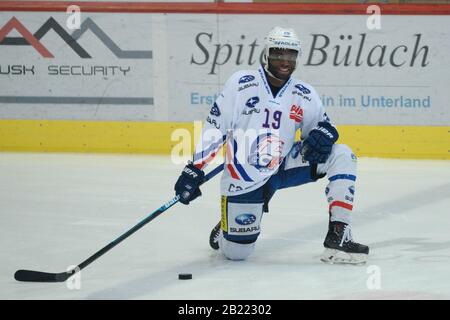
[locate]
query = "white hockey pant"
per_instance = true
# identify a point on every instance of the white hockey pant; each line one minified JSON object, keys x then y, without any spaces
{"x":340,"y":169}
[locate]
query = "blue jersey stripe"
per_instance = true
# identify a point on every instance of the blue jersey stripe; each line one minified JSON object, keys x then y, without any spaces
{"x":343,"y":177}
{"x":237,"y":238}
{"x":239,"y":167}
{"x":205,"y":153}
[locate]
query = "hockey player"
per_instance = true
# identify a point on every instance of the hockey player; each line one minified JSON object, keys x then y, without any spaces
{"x":256,"y":116}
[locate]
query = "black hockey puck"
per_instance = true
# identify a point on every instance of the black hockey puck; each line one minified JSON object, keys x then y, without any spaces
{"x":185,"y":276}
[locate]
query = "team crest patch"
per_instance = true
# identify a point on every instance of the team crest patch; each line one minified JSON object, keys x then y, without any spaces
{"x":265,"y":152}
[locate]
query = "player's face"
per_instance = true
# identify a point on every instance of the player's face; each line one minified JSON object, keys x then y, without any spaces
{"x":282,"y":62}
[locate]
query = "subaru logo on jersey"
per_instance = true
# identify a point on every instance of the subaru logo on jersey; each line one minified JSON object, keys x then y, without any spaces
{"x":265,"y":152}
{"x":215,"y":111}
{"x":246,"y":78}
{"x":303,"y":89}
{"x":245,"y":219}
{"x":251,"y":102}
{"x":244,"y":229}
{"x":213,"y":122}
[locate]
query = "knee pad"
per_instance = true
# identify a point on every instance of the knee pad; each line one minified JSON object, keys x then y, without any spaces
{"x":341,"y":173}
{"x":340,"y":196}
{"x":235,"y":251}
{"x":342,"y":160}
{"x":241,"y":220}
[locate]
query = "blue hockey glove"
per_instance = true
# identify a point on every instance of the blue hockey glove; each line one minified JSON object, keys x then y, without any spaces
{"x":187,"y":185}
{"x":317,"y":147}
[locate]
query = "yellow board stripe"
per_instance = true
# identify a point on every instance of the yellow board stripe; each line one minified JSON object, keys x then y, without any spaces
{"x":419,"y":142}
{"x":224,"y":220}
{"x":90,"y":136}
{"x":414,"y":142}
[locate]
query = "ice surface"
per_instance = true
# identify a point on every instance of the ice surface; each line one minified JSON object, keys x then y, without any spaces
{"x":58,"y":209}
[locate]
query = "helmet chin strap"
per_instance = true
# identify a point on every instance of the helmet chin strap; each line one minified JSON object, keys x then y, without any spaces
{"x":266,"y":67}
{"x":273,"y":76}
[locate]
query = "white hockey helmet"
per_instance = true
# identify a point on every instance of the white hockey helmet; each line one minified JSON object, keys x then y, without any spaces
{"x":281,"y":38}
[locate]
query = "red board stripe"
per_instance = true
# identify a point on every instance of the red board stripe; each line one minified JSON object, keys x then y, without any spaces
{"x":225,"y":8}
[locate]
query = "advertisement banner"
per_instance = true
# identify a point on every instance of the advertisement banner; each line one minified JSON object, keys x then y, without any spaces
{"x":170,"y":67}
{"x":395,"y":75}
{"x":53,"y":68}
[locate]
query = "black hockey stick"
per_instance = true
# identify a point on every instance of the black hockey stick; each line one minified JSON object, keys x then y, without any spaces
{"x":37,"y":276}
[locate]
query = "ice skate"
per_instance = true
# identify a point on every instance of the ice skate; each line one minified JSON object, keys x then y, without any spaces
{"x":340,"y":247}
{"x":214,"y":237}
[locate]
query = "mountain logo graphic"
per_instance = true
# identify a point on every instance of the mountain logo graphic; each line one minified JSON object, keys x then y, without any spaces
{"x":70,"y":39}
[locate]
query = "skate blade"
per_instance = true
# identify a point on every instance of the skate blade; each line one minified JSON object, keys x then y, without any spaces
{"x":333,"y":256}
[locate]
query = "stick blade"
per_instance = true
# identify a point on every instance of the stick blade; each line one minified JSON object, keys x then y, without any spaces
{"x":38,"y":276}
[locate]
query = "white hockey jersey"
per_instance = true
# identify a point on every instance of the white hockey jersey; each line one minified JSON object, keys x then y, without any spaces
{"x":257,"y":128}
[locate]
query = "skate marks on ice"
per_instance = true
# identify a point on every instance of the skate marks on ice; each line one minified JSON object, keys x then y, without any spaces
{"x":390,"y":295}
{"x":161,"y":284}
{"x":307,"y":242}
{"x":415,"y":240}
{"x":408,"y":202}
{"x":399,"y":207}
{"x":286,"y":262}
{"x":414,"y":244}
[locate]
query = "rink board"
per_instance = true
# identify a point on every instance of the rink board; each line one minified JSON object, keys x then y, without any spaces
{"x":417,"y":142}
{"x":123,"y":84}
